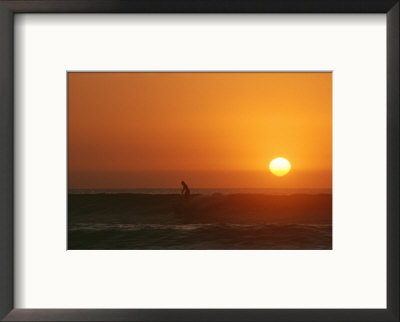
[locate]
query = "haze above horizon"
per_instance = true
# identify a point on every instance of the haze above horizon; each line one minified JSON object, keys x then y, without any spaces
{"x":153,"y":130}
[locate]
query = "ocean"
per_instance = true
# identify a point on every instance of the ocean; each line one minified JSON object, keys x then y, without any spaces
{"x":209,"y":219}
{"x":202,"y":191}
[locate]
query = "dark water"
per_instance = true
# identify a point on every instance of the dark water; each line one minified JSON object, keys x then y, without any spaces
{"x":200,"y":236}
{"x":236,"y":221}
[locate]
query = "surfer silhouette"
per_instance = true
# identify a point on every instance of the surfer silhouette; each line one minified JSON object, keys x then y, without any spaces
{"x":185,"y":190}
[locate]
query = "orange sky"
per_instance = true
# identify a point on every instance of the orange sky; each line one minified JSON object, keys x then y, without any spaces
{"x":213,"y":130}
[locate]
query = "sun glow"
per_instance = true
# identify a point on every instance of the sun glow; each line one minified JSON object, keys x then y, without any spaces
{"x":279,"y":166}
{"x":224,"y":138}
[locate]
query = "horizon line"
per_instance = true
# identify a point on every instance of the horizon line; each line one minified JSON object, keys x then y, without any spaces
{"x":319,"y":188}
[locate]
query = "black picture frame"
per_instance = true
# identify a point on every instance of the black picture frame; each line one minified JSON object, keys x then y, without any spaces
{"x":8,"y":8}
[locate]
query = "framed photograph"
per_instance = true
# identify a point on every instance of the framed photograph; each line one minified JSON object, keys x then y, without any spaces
{"x":189,"y":157}
{"x":199,"y":161}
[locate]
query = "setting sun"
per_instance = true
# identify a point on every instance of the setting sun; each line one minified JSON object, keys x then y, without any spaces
{"x":279,"y":166}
